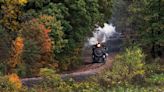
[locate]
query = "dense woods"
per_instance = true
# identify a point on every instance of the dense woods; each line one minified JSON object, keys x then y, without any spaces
{"x":46,"y":37}
{"x":51,"y":33}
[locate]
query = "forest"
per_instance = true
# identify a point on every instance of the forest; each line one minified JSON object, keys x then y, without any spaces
{"x":46,"y":38}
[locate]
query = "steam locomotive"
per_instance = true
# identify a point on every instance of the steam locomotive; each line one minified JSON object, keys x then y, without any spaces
{"x":99,"y":53}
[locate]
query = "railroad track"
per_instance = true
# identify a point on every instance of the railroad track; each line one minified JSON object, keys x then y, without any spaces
{"x":84,"y":72}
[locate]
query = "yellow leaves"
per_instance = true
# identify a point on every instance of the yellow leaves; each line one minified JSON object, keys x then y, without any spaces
{"x":22,"y":2}
{"x":18,"y":2}
{"x":15,"y":81}
{"x":12,"y":9}
{"x":140,"y":65}
{"x":141,"y":72}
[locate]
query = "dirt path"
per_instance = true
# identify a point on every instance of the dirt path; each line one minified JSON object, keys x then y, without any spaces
{"x":80,"y":74}
{"x":89,"y":69}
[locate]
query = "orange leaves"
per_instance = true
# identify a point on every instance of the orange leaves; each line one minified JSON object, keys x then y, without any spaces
{"x":16,"y":52}
{"x":15,"y":81}
{"x":46,"y":46}
{"x":47,"y":31}
{"x":37,"y":32}
{"x":44,"y":29}
{"x":18,"y":45}
{"x":47,"y":42}
{"x":45,"y":24}
{"x":41,"y":26}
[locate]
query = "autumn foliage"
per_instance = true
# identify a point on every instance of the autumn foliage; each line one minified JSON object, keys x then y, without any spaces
{"x":45,"y":40}
{"x":15,"y":81}
{"x":12,"y":11}
{"x":47,"y":45}
{"x":18,"y":44}
{"x":38,"y":44}
{"x":16,"y":52}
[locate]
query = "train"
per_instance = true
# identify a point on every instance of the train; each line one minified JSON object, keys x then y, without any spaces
{"x":99,"y":53}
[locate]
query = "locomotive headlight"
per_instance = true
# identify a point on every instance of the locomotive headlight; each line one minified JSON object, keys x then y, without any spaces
{"x":98,"y":45}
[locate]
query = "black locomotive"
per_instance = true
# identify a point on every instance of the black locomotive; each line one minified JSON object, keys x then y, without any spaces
{"x":99,"y":53}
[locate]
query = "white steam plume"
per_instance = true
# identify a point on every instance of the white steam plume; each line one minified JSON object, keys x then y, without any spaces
{"x":101,"y":34}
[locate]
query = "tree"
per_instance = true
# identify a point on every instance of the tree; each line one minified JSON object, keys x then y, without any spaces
{"x":105,"y":7}
{"x":43,"y":36}
{"x":126,"y":68}
{"x":11,"y":10}
{"x":82,"y":15}
{"x":148,"y":17}
{"x":74,"y":20}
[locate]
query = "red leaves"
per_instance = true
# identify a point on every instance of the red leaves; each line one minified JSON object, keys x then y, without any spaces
{"x":41,"y":26}
{"x":47,"y":47}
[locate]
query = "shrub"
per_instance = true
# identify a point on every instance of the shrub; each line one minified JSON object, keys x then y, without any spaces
{"x":70,"y":61}
{"x":15,"y":81}
{"x":156,"y":67}
{"x":152,"y":68}
{"x":11,"y":83}
{"x":127,"y":67}
{"x":52,"y":82}
{"x":4,"y":85}
{"x":86,"y":87}
{"x":131,"y":88}
{"x":157,"y":79}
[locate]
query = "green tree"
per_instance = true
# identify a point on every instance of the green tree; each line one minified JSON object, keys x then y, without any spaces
{"x":83,"y":14}
{"x":105,"y":7}
{"x":148,"y":18}
{"x":121,"y":18}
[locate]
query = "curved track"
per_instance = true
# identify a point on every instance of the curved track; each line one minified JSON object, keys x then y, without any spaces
{"x":89,"y":69}
{"x":81,"y":73}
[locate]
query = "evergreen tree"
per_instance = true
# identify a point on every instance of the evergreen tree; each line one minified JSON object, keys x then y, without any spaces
{"x":148,"y":20}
